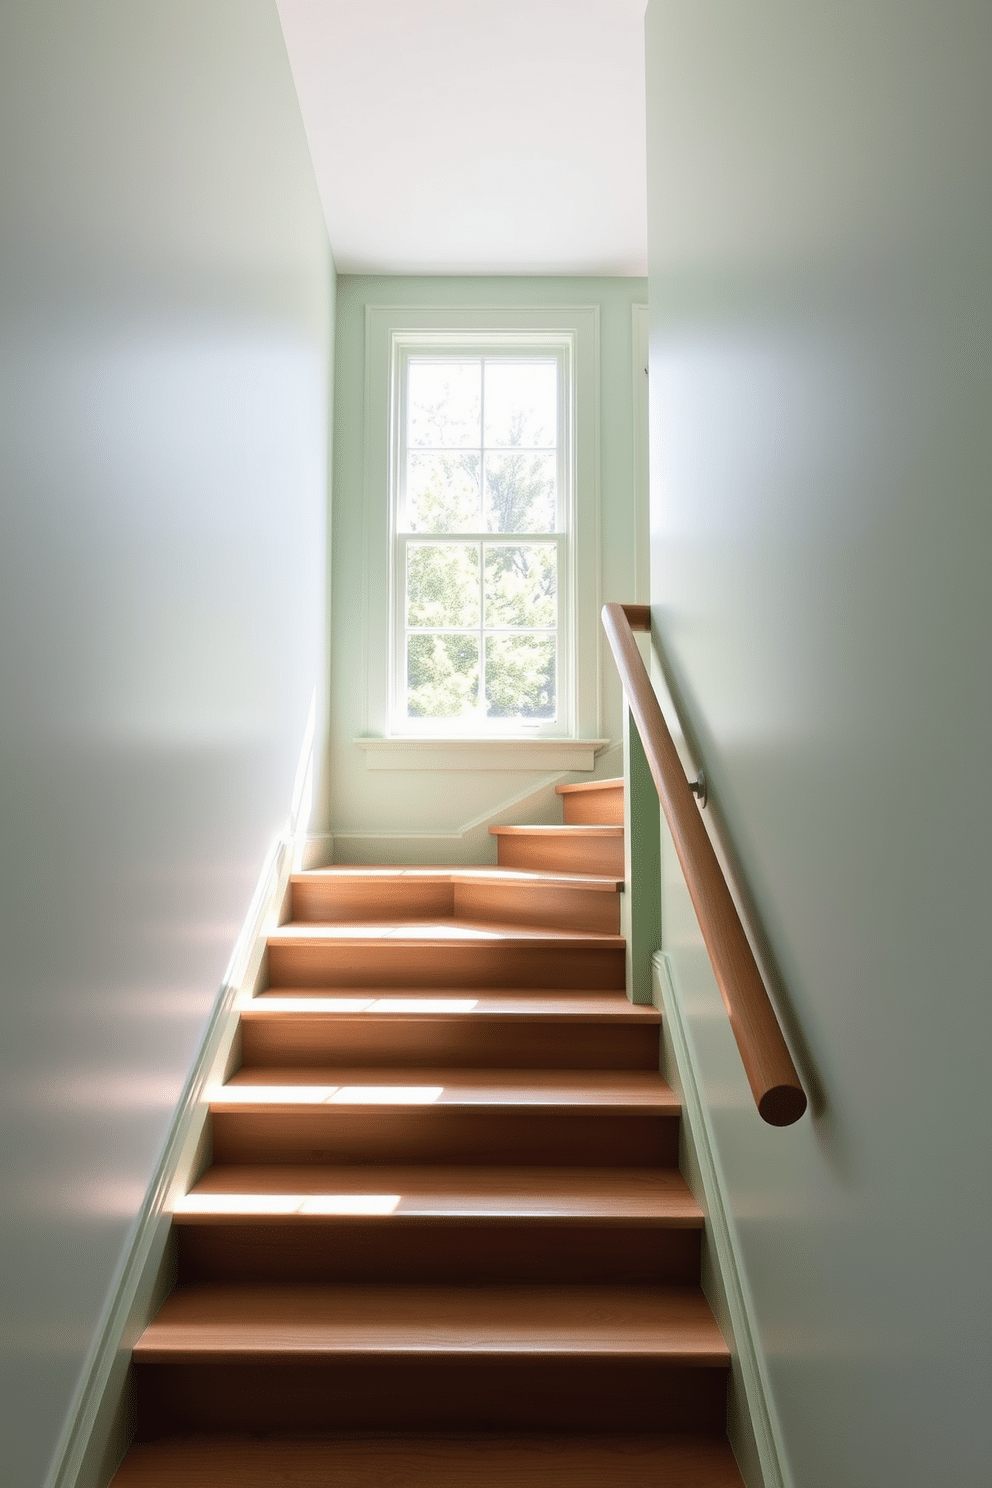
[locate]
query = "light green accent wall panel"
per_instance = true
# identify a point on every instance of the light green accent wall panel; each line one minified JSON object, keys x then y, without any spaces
{"x":821,"y":528}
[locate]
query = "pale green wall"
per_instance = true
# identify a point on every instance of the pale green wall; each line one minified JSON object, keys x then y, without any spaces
{"x":165,"y":318}
{"x":820,"y":222}
{"x":387,"y":805}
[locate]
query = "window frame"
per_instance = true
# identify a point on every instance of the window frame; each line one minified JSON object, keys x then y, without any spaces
{"x":393,"y":335}
{"x":490,"y":345}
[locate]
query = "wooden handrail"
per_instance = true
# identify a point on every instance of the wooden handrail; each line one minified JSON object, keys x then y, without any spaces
{"x":779,"y":1096}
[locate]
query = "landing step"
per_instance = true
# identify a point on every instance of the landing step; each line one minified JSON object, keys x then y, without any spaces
{"x":431,"y":1462}
{"x":310,"y":1324}
{"x":557,"y":1197}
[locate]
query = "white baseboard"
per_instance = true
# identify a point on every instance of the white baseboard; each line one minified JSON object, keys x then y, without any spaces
{"x":314,"y":850}
{"x":98,"y":1426}
{"x":758,"y":1435}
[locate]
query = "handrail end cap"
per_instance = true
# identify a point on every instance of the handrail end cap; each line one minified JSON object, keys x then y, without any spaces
{"x":782,"y":1105}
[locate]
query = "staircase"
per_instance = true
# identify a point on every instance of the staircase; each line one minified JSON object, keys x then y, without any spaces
{"x":444,"y":1240}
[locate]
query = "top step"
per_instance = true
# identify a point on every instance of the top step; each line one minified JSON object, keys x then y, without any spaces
{"x":592,"y":802}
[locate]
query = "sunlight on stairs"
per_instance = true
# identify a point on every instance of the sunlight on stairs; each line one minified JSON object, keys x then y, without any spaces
{"x":444,"y":1240}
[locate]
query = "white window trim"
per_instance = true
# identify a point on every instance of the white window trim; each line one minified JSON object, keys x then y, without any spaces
{"x":390,"y":329}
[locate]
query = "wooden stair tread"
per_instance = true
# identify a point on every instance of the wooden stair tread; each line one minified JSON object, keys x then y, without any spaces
{"x":438,"y":933}
{"x":581,"y":829}
{"x":456,"y":874}
{"x":664,"y":1324}
{"x":555,"y":1196}
{"x":502,"y":1461}
{"x":416,"y":1087}
{"x":354,"y":999}
{"x":587,"y":787}
{"x":479,"y":1005}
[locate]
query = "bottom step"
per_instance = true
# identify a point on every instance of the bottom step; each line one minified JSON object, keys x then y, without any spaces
{"x":432,"y":1462}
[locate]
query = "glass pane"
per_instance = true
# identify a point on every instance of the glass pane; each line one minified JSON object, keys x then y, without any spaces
{"x":521,"y":585}
{"x":442,"y":584}
{"x":442,"y":675}
{"x":522,"y":404}
{"x":520,"y":677}
{"x":520,"y":492}
{"x":442,"y":493}
{"x":444,"y":403}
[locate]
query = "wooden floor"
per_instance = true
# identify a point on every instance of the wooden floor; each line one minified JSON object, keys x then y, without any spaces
{"x":444,"y":1239}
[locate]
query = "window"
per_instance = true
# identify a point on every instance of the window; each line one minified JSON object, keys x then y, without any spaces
{"x":481,"y":502}
{"x":483,"y":509}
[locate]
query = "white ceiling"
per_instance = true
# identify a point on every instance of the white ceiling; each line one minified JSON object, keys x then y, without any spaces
{"x":476,"y":136}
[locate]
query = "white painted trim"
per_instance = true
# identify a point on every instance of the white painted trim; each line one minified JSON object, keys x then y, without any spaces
{"x":480,"y":754}
{"x":132,"y":1299}
{"x":642,"y":538}
{"x":313,"y":850}
{"x":721,"y":1233}
{"x":583,"y":646}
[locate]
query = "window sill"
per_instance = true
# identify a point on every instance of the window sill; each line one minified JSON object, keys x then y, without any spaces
{"x":481,"y":754}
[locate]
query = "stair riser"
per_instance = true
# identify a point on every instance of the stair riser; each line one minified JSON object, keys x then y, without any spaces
{"x":380,"y":964}
{"x":436,"y":1252}
{"x":561,"y":854}
{"x":327,"y":902}
{"x":543,"y":1136}
{"x":379,"y":1042}
{"x":593,"y":808}
{"x":424,"y":1395}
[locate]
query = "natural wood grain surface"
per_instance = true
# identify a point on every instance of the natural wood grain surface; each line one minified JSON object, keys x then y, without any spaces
{"x":441,"y":932}
{"x":501,"y":895}
{"x":545,"y":1135}
{"x":590,"y":787}
{"x":419,"y":1393}
{"x":418,"y":1462}
{"x":661,"y":1324}
{"x":476,"y":1005}
{"x":454,"y":1250}
{"x":767,"y":1062}
{"x":520,"y":1040}
{"x":557,"y":1196}
{"x":437,"y":962}
{"x":374,"y":1088}
{"x":596,"y":801}
{"x":451,"y":873}
{"x":591,"y":1003}
{"x":444,"y":1198}
{"x":581,"y":849}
